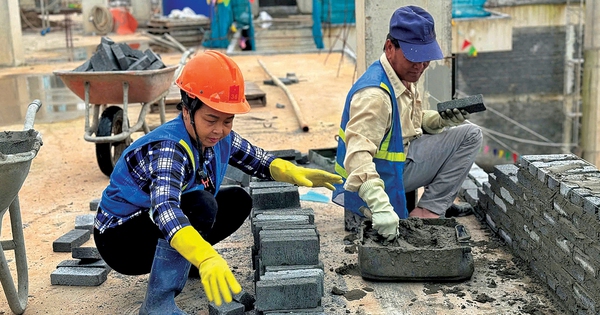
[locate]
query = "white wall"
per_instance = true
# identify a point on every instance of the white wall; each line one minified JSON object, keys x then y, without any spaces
{"x":11,"y":50}
{"x":372,"y":26}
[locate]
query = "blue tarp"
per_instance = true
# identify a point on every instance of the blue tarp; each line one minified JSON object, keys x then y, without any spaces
{"x":335,"y":12}
{"x":469,"y":9}
{"x":223,"y":16}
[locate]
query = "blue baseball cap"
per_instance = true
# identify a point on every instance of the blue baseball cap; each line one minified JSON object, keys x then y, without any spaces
{"x":414,"y":29}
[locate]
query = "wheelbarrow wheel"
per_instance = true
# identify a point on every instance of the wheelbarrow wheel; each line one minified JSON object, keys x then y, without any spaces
{"x":107,"y":154}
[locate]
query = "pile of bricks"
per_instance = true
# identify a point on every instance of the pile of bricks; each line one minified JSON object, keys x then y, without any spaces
{"x":111,"y":56}
{"x":288,"y":274}
{"x":87,"y":268}
{"x":546,"y":209}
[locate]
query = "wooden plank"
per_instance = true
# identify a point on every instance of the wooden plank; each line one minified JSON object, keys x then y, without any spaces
{"x":254,"y":95}
{"x":169,"y":23}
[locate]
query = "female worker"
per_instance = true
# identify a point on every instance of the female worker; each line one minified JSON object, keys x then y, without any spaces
{"x":163,"y":208}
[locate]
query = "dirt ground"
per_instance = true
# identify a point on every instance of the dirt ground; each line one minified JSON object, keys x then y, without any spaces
{"x":64,"y":178}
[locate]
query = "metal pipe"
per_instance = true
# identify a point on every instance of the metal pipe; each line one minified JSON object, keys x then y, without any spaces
{"x":295,"y":106}
{"x":32,"y":109}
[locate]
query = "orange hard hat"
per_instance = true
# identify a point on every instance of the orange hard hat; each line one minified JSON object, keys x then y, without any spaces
{"x":216,"y":80}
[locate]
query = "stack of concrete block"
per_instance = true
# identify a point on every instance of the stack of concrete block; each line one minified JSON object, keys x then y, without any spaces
{"x":288,"y":273}
{"x":471,"y":187}
{"x":87,"y":268}
{"x":546,"y":208}
{"x":111,"y":56}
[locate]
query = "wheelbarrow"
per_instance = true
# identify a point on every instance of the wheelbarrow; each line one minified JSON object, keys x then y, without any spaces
{"x":17,"y":149}
{"x":111,"y":130}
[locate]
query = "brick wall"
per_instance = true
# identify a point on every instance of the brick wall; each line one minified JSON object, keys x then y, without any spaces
{"x":525,"y":84}
{"x":546,"y":208}
{"x":535,"y":65}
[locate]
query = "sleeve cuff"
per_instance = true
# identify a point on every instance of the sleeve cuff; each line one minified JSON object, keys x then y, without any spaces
{"x":370,"y":184}
{"x":432,"y":122}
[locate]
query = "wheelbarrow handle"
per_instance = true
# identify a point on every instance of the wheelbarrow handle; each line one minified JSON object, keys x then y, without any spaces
{"x":32,"y":109}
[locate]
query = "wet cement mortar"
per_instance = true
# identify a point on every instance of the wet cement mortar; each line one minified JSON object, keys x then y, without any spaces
{"x":498,"y":285}
{"x":415,"y":233}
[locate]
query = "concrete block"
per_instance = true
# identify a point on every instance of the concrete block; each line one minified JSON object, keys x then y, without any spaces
{"x":525,"y":160}
{"x":323,"y":158}
{"x":85,"y":222}
{"x":478,"y":175}
{"x":289,"y":247}
{"x":120,"y":56}
{"x":140,"y":64}
{"x":591,"y":205}
{"x":130,"y":52}
{"x":86,"y":66}
{"x":289,"y":154}
{"x":245,"y":299}
{"x":266,"y":184}
{"x":276,"y":198}
{"x":471,"y":197}
{"x":578,"y":195}
{"x":235,"y":176}
{"x":320,"y":265}
{"x":77,"y":276}
{"x":309,"y":212}
{"x":87,"y":253}
{"x":83,"y":263}
{"x":106,"y":40}
{"x":296,"y":274}
{"x":233,"y":308}
{"x":106,"y":50}
{"x":468,"y":184}
{"x":94,"y":204}
{"x":288,"y":294}
{"x":103,"y":60}
{"x":280,"y":221}
{"x":262,"y":269}
{"x":152,"y":56}
{"x":158,"y":64}
{"x":471,"y":104}
{"x":70,"y":240}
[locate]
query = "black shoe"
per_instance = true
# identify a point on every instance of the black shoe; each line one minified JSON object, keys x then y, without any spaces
{"x":460,"y":209}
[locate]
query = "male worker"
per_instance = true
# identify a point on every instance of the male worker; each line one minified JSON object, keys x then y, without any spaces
{"x":389,"y":144}
{"x":163,"y":208}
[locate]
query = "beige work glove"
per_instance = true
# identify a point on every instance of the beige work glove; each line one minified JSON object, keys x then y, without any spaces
{"x":384,"y":219}
{"x":453,"y":117}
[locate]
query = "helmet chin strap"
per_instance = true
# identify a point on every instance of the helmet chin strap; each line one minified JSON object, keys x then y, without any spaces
{"x":192,"y":105}
{"x":198,"y":143}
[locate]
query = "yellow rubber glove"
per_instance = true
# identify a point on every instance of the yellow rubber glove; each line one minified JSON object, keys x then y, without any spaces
{"x":286,"y":171}
{"x":384,"y":218}
{"x":217,"y":278}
